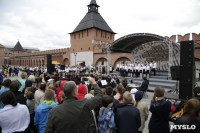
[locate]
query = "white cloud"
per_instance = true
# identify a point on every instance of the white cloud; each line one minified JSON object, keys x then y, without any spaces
{"x":46,"y":24}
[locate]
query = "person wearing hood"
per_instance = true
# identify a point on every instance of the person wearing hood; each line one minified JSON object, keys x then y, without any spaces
{"x":59,"y":92}
{"x":43,"y":110}
{"x":160,"y":109}
{"x":143,"y":108}
{"x":82,"y":91}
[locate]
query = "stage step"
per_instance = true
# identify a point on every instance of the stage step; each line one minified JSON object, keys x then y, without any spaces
{"x":155,"y":80}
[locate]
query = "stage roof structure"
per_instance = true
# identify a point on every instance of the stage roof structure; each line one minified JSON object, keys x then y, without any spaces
{"x":127,"y":43}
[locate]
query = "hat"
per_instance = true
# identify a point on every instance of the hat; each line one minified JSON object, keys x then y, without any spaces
{"x":138,"y":96}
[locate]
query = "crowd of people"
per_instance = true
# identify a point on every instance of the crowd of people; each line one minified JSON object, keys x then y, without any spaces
{"x":81,"y":102}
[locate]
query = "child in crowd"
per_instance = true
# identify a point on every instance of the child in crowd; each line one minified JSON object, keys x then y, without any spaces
{"x":106,"y":122}
{"x":30,"y":103}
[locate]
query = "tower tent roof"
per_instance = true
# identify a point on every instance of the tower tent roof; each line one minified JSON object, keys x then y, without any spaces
{"x":93,"y":20}
{"x":18,"y":47}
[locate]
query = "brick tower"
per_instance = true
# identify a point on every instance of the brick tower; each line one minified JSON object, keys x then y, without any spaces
{"x":91,"y":30}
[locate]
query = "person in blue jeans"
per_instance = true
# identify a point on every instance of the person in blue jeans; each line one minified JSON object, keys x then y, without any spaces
{"x":43,"y":110}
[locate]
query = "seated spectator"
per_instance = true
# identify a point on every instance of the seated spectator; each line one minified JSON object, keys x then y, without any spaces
{"x":43,"y":110}
{"x":6,"y":86}
{"x":160,"y":109}
{"x":82,"y":91}
{"x":73,"y":116}
{"x":14,"y":117}
{"x":128,"y":117}
{"x":14,"y":87}
{"x":190,"y":117}
{"x":143,"y":108}
{"x":106,"y":121}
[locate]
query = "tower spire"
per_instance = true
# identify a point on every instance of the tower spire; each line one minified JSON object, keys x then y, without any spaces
{"x":93,"y":7}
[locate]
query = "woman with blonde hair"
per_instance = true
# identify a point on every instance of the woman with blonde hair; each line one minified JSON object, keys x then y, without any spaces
{"x":190,"y":117}
{"x":160,"y":109}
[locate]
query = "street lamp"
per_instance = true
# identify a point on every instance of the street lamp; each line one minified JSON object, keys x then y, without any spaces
{"x":75,"y":58}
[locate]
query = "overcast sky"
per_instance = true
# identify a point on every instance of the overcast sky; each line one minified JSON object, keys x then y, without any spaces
{"x":45,"y":24}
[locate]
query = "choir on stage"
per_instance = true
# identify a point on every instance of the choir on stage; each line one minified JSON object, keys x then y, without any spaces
{"x":137,"y":69}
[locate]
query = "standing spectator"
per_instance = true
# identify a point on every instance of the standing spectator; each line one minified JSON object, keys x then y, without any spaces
{"x":189,"y":117}
{"x":106,"y":121}
{"x":14,"y":116}
{"x":42,"y":111}
{"x":124,"y":82}
{"x":82,"y":91}
{"x":143,"y":108}
{"x":120,"y":91}
{"x":30,"y":103}
{"x":144,"y":85}
{"x":1,"y":79}
{"x":60,"y":91}
{"x":39,"y":95}
{"x":128,"y":117}
{"x":5,"y":73}
{"x":10,"y":71}
{"x":73,"y":116}
{"x":14,"y":87}
{"x":160,"y":109}
{"x":6,"y":83}
{"x":22,"y":81}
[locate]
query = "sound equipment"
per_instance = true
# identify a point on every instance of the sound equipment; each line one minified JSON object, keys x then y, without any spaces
{"x":187,"y":70}
{"x":187,"y":53}
{"x":175,"y":72}
{"x":50,"y":66}
{"x":185,"y":90}
{"x":62,"y":67}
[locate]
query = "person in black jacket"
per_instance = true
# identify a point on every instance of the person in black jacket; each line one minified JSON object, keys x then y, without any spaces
{"x":73,"y":115}
{"x":144,"y":85}
{"x":160,"y":109}
{"x":128,"y":117}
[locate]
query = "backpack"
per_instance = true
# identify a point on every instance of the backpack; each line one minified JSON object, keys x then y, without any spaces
{"x":106,"y":122}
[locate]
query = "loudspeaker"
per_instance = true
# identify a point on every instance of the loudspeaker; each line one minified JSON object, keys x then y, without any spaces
{"x":187,"y":69}
{"x":62,"y":67}
{"x":187,"y":53}
{"x":50,"y":67}
{"x":175,"y":72}
{"x":185,"y":90}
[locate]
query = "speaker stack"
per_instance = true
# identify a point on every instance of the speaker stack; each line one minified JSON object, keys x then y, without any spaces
{"x":50,"y":66}
{"x":187,"y":70}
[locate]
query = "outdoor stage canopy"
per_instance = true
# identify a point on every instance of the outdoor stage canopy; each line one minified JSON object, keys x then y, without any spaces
{"x":127,"y":43}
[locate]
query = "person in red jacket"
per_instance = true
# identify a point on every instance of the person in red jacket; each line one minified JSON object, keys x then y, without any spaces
{"x":60,"y":91}
{"x":82,"y":91}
